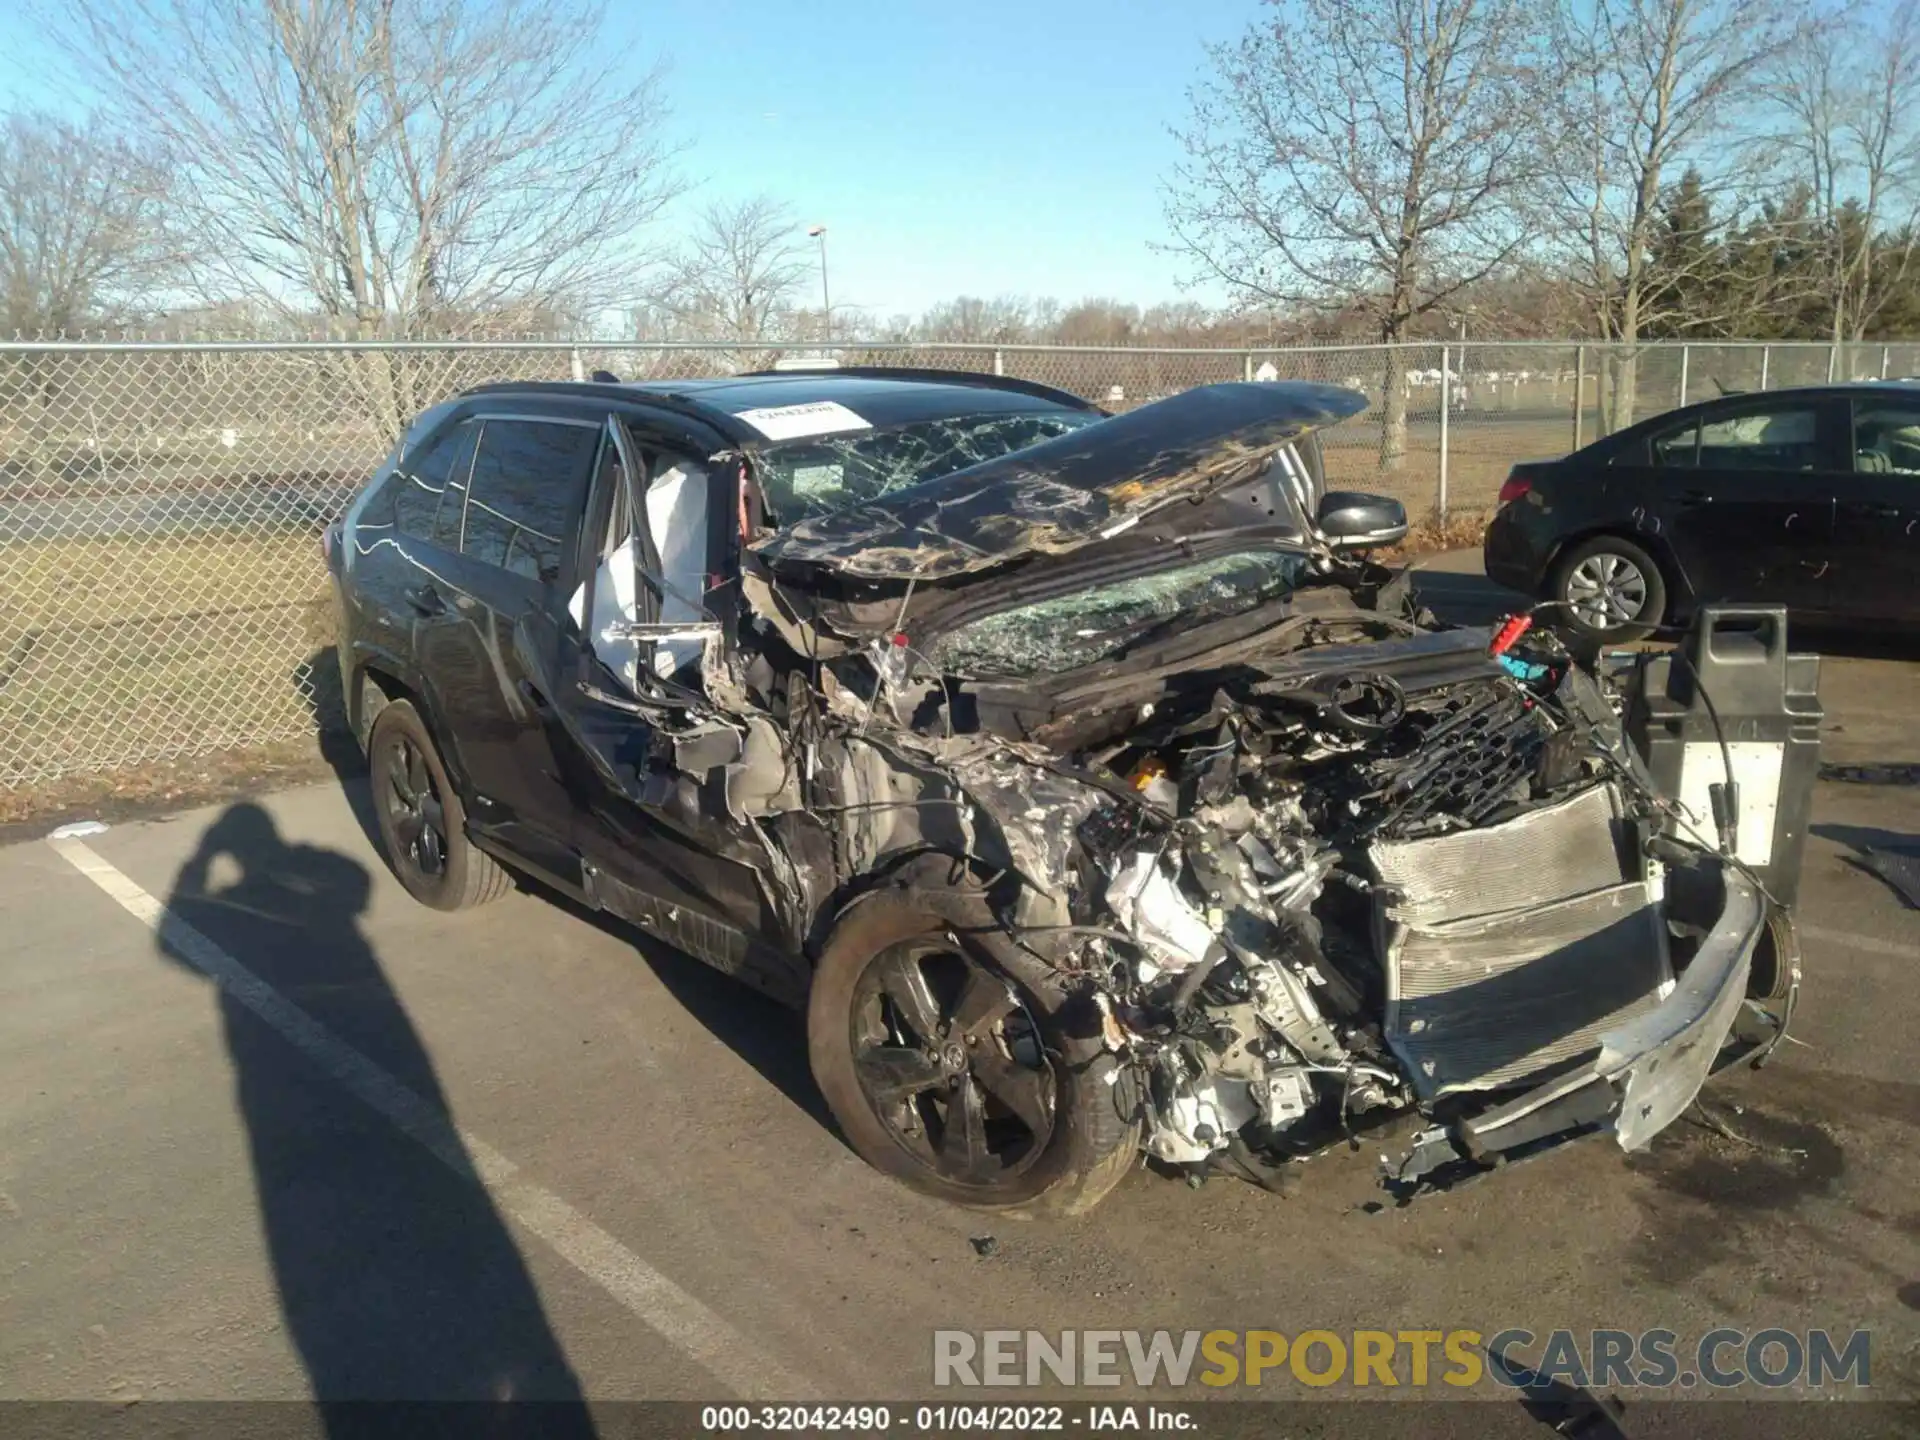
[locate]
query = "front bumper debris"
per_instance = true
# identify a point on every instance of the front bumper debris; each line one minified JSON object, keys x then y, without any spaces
{"x":1646,"y":1072}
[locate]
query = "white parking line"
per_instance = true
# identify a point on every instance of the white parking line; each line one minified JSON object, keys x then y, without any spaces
{"x":679,"y":1318}
{"x":1866,"y":944}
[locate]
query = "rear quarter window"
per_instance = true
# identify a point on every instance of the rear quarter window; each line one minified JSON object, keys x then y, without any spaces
{"x":429,"y":486}
{"x":528,"y":489}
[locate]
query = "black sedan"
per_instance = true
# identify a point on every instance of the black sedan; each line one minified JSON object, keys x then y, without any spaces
{"x":1808,"y":498}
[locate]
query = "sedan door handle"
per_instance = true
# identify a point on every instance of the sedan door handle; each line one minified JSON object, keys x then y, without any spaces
{"x":426,"y":600}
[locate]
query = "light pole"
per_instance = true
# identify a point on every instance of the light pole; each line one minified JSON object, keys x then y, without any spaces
{"x":819,"y":232}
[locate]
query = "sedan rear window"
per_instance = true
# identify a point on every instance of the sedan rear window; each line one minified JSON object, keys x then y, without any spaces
{"x":833,"y":472}
{"x":1782,"y":439}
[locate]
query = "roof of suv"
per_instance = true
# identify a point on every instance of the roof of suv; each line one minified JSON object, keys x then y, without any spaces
{"x":881,"y":397}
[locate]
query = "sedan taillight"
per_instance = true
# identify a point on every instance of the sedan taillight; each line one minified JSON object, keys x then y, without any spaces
{"x":1515,"y":488}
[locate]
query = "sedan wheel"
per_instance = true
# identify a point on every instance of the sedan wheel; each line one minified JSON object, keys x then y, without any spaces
{"x":1611,"y":589}
{"x":1607,"y":591}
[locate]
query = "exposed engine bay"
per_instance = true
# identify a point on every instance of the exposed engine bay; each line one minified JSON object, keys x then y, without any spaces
{"x":1329,"y":867}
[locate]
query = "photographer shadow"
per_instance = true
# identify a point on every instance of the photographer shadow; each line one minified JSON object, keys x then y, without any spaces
{"x":398,"y":1280}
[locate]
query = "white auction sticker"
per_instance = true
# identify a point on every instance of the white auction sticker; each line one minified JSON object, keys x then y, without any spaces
{"x":792,"y":422}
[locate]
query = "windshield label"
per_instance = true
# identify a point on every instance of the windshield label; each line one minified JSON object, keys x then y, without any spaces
{"x":793,"y":422}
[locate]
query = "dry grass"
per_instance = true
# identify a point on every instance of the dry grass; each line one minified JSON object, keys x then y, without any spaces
{"x":1434,"y":533}
{"x":159,"y":786}
{"x":124,"y":651}
{"x":112,"y":581}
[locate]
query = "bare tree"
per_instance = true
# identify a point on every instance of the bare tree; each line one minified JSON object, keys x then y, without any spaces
{"x":736,"y":275}
{"x":1849,"y":96}
{"x":80,"y":224}
{"x":403,"y":166}
{"x":1652,"y":90}
{"x":969,"y":319}
{"x":1360,"y":149}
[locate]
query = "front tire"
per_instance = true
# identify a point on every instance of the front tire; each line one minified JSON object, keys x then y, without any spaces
{"x":959,"y":1065}
{"x":1610,"y":590}
{"x":423,"y":826}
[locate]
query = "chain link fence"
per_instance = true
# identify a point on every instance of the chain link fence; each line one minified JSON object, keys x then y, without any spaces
{"x":162,"y":589}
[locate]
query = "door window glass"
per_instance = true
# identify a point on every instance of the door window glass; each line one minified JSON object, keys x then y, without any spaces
{"x":1679,"y":447}
{"x":1886,"y":438}
{"x":1783,"y":439}
{"x":528,"y":488}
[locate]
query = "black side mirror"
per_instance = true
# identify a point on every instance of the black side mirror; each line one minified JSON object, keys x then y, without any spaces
{"x":1349,"y":520}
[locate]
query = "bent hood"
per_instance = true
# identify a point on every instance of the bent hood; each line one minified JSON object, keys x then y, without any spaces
{"x":1053,"y":497}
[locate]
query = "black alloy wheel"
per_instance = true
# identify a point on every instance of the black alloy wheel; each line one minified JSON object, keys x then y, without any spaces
{"x":951,"y":1060}
{"x":423,"y":826}
{"x":414,"y":807}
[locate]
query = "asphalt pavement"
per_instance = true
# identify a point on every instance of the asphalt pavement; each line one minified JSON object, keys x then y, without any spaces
{"x":268,"y":1129}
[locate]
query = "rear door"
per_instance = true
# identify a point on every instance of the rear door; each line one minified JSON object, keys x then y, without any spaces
{"x":492,"y":638}
{"x":404,"y":541}
{"x":1744,"y":495}
{"x":1876,"y":541}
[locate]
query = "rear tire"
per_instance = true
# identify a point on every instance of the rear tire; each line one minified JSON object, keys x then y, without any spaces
{"x":1610,"y":590}
{"x":1056,"y":1126}
{"x":423,"y":826}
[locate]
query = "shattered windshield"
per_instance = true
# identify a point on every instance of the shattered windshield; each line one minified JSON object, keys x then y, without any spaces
{"x":831,"y":472}
{"x":1101,"y":622}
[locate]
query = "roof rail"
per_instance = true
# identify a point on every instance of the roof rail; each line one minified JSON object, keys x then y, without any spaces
{"x":620,"y":393}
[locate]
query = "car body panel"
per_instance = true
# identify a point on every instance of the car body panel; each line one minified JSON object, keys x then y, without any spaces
{"x":1645,"y":1073}
{"x":1876,"y":540}
{"x":880,"y":396}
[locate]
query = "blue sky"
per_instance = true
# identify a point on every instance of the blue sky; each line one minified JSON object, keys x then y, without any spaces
{"x":951,"y":147}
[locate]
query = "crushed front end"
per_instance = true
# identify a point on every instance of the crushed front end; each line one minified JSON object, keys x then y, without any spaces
{"x":1237,"y":826}
{"x":1413,"y":875}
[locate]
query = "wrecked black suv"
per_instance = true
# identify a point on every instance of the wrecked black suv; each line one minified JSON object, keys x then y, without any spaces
{"x":1075,"y":773}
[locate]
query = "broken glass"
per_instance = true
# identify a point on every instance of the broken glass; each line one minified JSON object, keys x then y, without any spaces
{"x":832,"y":472}
{"x":1068,"y":631}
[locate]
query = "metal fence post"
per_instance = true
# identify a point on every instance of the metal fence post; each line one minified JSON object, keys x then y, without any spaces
{"x":1886,"y":361}
{"x":1686,"y":356}
{"x":1446,"y":405}
{"x":579,"y":369}
{"x":999,"y":361}
{"x":1766,"y":361}
{"x":1246,"y":366}
{"x":1833,"y":362}
{"x":1579,"y":395}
